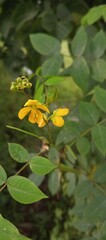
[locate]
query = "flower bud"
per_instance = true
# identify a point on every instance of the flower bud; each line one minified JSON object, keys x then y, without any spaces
{"x":20,"y":84}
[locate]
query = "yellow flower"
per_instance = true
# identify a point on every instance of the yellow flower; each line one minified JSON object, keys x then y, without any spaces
{"x":57,"y":116}
{"x":35,"y":115}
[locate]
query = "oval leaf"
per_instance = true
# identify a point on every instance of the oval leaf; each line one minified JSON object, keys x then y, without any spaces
{"x":69,"y":132}
{"x":104,"y":13}
{"x":3,"y":175}
{"x":18,"y":153}
{"x":45,"y":44}
{"x":99,"y":70}
{"x":80,"y":73}
{"x":53,"y":81}
{"x":100,"y":175}
{"x":100,"y":97}
{"x":99,"y":138}
{"x":54,"y":181}
{"x":52,"y":66}
{"x":98,"y":44}
{"x":41,"y":165}
{"x":83,"y":189}
{"x":96,"y":210}
{"x":89,"y":113}
{"x":78,"y":46}
{"x":83,"y":146}
{"x":38,"y":95}
{"x":9,"y":232}
{"x":93,"y":15}
{"x":71,"y":183}
{"x":23,"y":190}
{"x":36,"y":179}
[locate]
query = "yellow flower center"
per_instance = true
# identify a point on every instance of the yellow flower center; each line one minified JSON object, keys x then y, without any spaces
{"x":34,"y":108}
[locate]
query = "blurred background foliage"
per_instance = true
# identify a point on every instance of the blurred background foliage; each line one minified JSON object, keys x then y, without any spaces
{"x":82,"y":60}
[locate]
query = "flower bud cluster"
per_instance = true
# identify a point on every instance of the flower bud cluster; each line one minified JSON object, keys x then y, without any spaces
{"x":20,"y":84}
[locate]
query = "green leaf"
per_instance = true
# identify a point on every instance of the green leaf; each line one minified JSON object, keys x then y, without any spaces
{"x":52,"y":65}
{"x":9,"y":232}
{"x":83,"y":146}
{"x":41,"y":165}
{"x":100,"y":97}
{"x":70,"y":154}
{"x":80,"y":224}
{"x":23,"y":14}
{"x":39,"y":93}
{"x":36,"y":179}
{"x":99,"y":138}
{"x":80,"y":73}
{"x":104,"y":14}
{"x":54,"y":182}
{"x":96,"y":210}
{"x":49,"y":21}
{"x":99,"y":70}
{"x":51,"y":95}
{"x":71,"y":183}
{"x":3,"y":175}
{"x":103,"y":231}
{"x":62,"y":30}
{"x":53,"y":81}
{"x":45,"y":44}
{"x":100,"y":174}
{"x":89,"y":113}
{"x":98,"y":45}
{"x":68,"y":133}
{"x":78,"y":209}
{"x":93,"y":15}
{"x":83,"y":189}
{"x":78,"y":45}
{"x":63,"y":12}
{"x":23,"y":190}
{"x":53,"y":155}
{"x":18,"y":153}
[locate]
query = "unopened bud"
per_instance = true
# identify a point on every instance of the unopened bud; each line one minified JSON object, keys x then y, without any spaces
{"x":20,"y":84}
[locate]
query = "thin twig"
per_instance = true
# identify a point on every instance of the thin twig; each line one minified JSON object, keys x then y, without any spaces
{"x":29,"y":133}
{"x":86,"y":132}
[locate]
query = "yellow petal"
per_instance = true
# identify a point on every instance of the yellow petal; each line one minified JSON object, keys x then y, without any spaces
{"x":30,"y":102}
{"x":32,"y":117}
{"x":43,"y":121}
{"x":43,"y":107}
{"x":61,"y":111}
{"x":23,"y":112}
{"x":39,"y":116}
{"x":57,"y":121}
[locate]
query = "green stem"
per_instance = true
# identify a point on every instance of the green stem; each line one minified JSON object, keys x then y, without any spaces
{"x":65,"y":168}
{"x":49,"y":133}
{"x":21,"y":169}
{"x":41,"y":79}
{"x":99,"y":187}
{"x":86,"y":132}
{"x":1,"y":189}
{"x":29,"y":133}
{"x":31,"y":76}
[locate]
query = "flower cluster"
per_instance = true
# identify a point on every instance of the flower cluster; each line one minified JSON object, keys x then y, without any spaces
{"x":36,"y":110}
{"x":20,"y":84}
